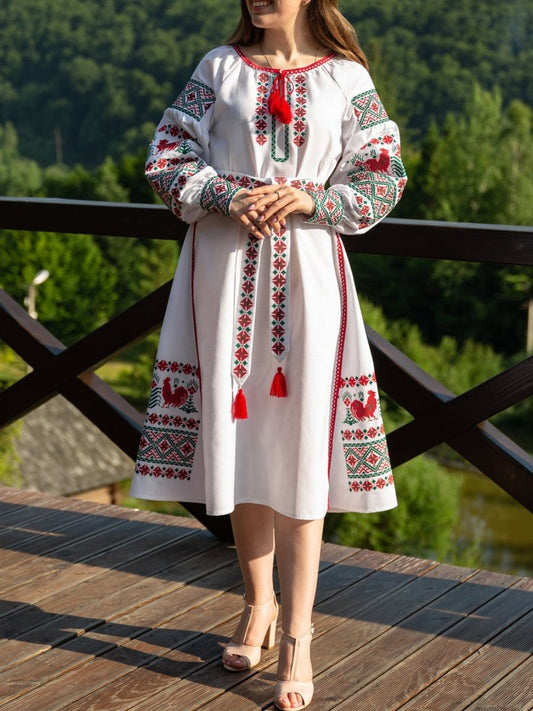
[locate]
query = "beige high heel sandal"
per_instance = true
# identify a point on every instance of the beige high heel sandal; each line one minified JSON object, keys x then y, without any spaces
{"x":251,"y":654}
{"x":304,"y":688}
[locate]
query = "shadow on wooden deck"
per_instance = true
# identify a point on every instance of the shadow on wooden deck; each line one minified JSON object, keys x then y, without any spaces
{"x":110,"y":608}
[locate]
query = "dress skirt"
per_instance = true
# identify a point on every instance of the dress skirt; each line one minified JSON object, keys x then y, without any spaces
{"x":303,"y":454}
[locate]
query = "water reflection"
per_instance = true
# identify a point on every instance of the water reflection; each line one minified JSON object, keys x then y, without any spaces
{"x":503,"y":527}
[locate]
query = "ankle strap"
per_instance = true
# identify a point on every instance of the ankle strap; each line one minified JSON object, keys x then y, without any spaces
{"x":298,"y":639}
{"x":263,"y":605}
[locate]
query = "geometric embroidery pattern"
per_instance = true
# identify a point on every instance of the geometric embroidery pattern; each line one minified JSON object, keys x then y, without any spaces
{"x":262,"y":117}
{"x":363,"y":437}
{"x":261,"y":112}
{"x":166,"y":453}
{"x":261,"y":109}
{"x":378,"y":178}
{"x":217,"y":195}
{"x":170,"y":432}
{"x":376,"y":195}
{"x":299,"y":125}
{"x":279,"y":295}
{"x":171,"y":163}
{"x":368,"y":109}
{"x":248,"y":181}
{"x":329,"y":208}
{"x":285,"y":131}
{"x":195,"y":99}
{"x":244,"y":322}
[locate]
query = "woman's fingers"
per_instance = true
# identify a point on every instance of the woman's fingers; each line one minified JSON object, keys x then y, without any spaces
{"x":264,"y":209}
{"x":240,"y":210}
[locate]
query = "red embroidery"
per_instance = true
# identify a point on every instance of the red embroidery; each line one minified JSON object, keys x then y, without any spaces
{"x":365,"y":450}
{"x":340,"y":350}
{"x":299,"y":126}
{"x":245,"y":312}
{"x":170,"y":433}
{"x":368,"y":109}
{"x":249,"y":62}
{"x":248,"y":181}
{"x":195,"y":99}
{"x":279,"y":295}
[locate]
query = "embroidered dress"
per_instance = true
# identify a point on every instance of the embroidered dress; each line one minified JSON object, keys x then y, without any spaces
{"x":248,"y":315}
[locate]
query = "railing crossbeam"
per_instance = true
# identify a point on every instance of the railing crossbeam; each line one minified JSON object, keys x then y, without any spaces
{"x":483,"y":445}
{"x":86,"y":355}
{"x":449,"y":419}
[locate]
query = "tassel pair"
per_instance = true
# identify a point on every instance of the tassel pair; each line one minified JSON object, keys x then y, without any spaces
{"x":277,"y":104}
{"x":277,"y":389}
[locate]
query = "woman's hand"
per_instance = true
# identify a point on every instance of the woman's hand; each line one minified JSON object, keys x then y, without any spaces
{"x":275,"y":202}
{"x":263,"y":210}
{"x":243,"y":210}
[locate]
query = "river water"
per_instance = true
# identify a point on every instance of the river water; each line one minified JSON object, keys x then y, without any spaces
{"x":503,"y":527}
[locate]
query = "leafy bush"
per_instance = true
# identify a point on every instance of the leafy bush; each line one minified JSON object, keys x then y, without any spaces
{"x":9,"y":461}
{"x":422,"y":524}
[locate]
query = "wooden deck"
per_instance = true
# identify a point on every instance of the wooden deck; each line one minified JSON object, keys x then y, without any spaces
{"x":109,"y":608}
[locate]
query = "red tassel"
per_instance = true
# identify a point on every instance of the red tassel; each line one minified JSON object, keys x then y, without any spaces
{"x":273,"y":102}
{"x":284,"y":112}
{"x":277,"y":104}
{"x":240,"y":411}
{"x":279,"y":385}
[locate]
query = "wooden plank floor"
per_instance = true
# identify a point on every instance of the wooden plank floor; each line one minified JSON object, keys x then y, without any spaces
{"x":109,"y":608}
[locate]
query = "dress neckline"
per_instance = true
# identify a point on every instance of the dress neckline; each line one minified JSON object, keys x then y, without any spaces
{"x":249,"y":62}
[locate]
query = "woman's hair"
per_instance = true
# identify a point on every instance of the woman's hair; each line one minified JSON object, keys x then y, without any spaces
{"x":328,"y":26}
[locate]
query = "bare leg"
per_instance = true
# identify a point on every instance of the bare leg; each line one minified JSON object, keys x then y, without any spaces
{"x":253,"y":528}
{"x":298,"y":555}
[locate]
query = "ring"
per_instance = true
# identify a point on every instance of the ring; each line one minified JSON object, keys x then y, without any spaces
{"x":277,"y":193}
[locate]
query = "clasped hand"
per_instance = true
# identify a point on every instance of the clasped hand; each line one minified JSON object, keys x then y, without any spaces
{"x":263,"y":210}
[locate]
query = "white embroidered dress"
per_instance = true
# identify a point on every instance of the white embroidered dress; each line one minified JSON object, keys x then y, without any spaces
{"x":242,"y":308}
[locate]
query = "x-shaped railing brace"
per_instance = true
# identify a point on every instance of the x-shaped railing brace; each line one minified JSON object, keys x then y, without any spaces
{"x":439,"y":415}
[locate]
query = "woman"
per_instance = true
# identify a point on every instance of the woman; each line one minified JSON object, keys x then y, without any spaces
{"x":264,"y":402}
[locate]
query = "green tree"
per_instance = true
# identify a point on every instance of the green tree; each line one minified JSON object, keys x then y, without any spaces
{"x":80,"y":293}
{"x":476,"y":169}
{"x":422,"y":524}
{"x":10,"y":474}
{"x":18,"y":175}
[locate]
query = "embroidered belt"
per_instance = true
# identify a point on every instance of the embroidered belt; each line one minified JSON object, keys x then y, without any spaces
{"x":310,"y":185}
{"x":244,"y":324}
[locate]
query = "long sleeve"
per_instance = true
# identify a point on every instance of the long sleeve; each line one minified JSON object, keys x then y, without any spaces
{"x":178,"y":160}
{"x":370,"y":177}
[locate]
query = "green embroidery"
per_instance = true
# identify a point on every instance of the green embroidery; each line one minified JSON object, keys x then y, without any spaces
{"x":273,"y":150}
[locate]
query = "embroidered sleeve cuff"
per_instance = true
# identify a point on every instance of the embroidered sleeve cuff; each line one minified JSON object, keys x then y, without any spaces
{"x":217,"y":195}
{"x":329,"y":207}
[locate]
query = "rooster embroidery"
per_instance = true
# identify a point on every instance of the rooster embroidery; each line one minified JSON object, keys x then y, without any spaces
{"x":363,"y":411}
{"x":173,"y":398}
{"x":381,"y":164}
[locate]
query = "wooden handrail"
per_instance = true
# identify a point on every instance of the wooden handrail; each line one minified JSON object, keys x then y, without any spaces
{"x":503,"y":244}
{"x":439,"y":416}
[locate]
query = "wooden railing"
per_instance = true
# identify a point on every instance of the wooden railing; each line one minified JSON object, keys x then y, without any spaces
{"x":438,"y":415}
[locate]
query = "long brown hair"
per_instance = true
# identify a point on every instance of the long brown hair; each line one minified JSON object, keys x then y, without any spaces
{"x":327,"y":25}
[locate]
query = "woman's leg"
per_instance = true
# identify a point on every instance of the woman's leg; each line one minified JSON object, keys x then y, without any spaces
{"x":253,"y":529}
{"x":298,"y":555}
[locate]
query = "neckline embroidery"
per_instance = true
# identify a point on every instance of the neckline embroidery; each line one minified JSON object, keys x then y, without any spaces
{"x":292,"y":70}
